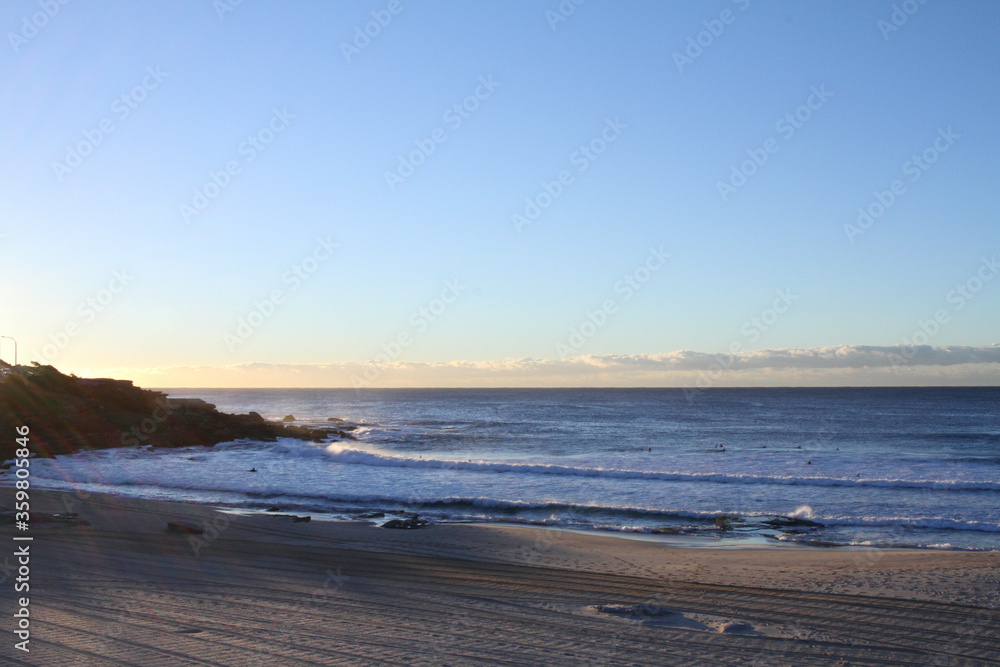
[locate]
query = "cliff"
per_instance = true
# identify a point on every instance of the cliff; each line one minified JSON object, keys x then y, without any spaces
{"x":67,"y":414}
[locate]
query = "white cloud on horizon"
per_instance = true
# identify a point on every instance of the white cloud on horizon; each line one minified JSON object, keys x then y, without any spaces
{"x":829,"y":366}
{"x":836,"y":356}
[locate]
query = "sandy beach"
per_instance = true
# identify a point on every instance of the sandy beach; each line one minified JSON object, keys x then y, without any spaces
{"x":265,"y":590}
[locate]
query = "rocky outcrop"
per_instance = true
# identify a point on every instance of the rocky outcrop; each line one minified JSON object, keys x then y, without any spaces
{"x":406,"y":524}
{"x":67,"y":414}
{"x":782,"y":522}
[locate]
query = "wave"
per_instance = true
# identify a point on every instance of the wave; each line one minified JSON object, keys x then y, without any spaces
{"x":513,"y":506}
{"x":349,"y":456}
{"x":903,"y":522}
{"x":555,"y":514}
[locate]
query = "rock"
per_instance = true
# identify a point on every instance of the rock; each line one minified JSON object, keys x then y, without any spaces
{"x":371,"y":515}
{"x":189,"y":405}
{"x":273,"y":508}
{"x":735,"y":627}
{"x":288,"y":418}
{"x":317,"y":434}
{"x":406,"y":524}
{"x":780,"y":522}
{"x":294,"y":518}
{"x":725,"y":522}
{"x":78,"y":414}
{"x":183,"y":527}
{"x":334,"y":419}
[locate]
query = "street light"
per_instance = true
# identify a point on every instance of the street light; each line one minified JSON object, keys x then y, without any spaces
{"x":15,"y":347}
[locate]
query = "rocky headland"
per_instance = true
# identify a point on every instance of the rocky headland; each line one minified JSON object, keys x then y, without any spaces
{"x":68,"y":414}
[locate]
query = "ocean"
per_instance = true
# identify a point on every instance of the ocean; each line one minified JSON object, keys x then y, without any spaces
{"x":867,"y":467}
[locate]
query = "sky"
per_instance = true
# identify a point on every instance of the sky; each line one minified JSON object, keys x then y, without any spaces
{"x":393,"y":193}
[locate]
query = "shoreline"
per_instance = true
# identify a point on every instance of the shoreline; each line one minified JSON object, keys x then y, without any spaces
{"x":267,"y":589}
{"x":736,"y":539}
{"x":683,"y":540}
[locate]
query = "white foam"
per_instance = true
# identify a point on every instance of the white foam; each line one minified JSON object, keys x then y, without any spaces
{"x":353,"y":456}
{"x":803,"y":512}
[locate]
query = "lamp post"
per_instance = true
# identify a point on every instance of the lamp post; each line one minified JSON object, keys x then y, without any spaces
{"x":15,"y":347}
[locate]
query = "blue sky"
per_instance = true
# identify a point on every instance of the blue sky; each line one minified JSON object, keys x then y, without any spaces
{"x":188,"y":88}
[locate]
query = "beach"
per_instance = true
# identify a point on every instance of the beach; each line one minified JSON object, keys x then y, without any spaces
{"x":499,"y":333}
{"x":114,"y":586}
{"x":889,"y":468}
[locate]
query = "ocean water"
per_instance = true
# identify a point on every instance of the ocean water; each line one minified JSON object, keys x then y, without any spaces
{"x":886,"y":467}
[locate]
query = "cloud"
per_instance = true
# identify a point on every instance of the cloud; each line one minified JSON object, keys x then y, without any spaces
{"x":837,"y":356}
{"x":821,"y":366}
